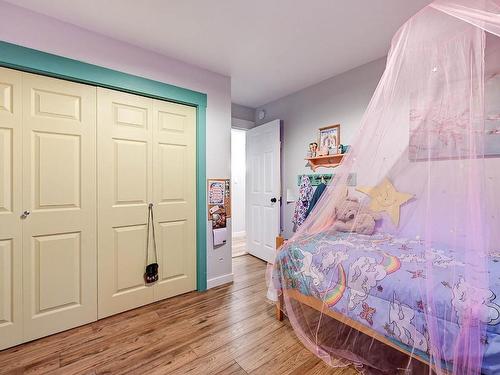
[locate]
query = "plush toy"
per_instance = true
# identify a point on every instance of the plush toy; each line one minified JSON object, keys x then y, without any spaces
{"x":352,"y":217}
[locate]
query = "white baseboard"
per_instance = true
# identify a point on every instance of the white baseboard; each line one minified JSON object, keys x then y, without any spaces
{"x":216,"y":281}
{"x":241,"y":234}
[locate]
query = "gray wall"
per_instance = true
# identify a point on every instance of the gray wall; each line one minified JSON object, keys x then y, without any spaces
{"x":242,"y":117}
{"x":243,"y":113}
{"x":340,"y":99}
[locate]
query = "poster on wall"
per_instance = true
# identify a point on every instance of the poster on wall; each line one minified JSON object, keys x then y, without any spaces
{"x":219,"y":197}
{"x":219,"y":208}
{"x":216,"y":191}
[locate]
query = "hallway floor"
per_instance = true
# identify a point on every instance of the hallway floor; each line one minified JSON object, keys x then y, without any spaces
{"x":239,"y":246}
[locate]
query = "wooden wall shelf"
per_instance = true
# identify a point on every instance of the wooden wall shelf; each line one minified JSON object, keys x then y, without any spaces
{"x":327,"y":161}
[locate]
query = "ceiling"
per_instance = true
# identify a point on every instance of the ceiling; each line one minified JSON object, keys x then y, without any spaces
{"x":269,"y":48}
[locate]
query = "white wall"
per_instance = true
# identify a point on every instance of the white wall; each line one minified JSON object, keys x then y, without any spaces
{"x":340,"y":99}
{"x":37,"y":31}
{"x":238,"y":172}
{"x":242,"y":119}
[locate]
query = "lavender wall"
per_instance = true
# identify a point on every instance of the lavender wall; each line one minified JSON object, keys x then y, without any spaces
{"x":30,"y":29}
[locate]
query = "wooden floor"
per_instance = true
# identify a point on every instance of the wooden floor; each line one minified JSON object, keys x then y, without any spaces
{"x":227,"y":330}
{"x":239,"y":246}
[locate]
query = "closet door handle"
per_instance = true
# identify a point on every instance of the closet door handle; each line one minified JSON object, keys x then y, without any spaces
{"x":273,"y":200}
{"x":25,"y":214}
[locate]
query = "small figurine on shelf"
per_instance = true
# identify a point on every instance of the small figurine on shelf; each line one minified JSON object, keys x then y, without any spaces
{"x":310,"y":152}
{"x":313,"y":149}
{"x":340,"y":148}
{"x":345,"y":148}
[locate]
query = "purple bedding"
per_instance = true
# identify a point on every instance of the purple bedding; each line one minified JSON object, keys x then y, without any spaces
{"x":379,"y":282}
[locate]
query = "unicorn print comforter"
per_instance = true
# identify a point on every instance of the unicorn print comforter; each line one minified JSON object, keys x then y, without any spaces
{"x":378,"y":281}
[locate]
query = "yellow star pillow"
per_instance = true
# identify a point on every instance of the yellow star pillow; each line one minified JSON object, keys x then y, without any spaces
{"x":386,"y":198}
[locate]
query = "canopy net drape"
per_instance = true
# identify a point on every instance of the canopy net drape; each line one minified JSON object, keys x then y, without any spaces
{"x":407,"y":259}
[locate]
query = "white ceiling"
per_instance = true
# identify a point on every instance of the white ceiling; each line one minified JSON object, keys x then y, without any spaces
{"x":269,"y":48}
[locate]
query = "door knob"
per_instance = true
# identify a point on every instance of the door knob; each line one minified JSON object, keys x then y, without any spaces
{"x":273,"y":200}
{"x":25,"y":214}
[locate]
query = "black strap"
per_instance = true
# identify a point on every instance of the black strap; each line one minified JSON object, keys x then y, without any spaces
{"x":151,"y":223}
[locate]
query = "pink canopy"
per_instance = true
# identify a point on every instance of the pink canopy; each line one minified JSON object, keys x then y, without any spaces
{"x":427,"y":162}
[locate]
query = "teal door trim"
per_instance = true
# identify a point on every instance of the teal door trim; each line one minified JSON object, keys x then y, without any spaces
{"x":34,"y":61}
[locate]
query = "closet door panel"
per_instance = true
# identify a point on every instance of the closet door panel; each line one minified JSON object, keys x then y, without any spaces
{"x":11,"y":326}
{"x":174,"y":186}
{"x":6,"y":167}
{"x":59,"y":190}
{"x":125,"y":189}
{"x":65,"y":248}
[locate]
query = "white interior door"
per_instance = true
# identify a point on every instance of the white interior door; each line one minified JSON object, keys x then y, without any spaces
{"x":59,"y":190}
{"x":11,"y":326}
{"x":263,"y":189}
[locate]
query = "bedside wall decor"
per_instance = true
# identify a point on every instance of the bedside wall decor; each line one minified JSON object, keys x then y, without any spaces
{"x":328,"y":151}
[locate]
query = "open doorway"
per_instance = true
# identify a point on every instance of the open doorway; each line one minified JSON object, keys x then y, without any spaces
{"x":256,"y":189}
{"x":238,"y":175}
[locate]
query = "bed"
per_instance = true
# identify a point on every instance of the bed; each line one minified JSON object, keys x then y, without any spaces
{"x":378,"y":286}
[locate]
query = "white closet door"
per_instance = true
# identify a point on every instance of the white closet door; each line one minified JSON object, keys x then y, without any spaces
{"x":11,"y":328}
{"x":125,"y":189}
{"x":59,"y":190}
{"x":174,"y":192}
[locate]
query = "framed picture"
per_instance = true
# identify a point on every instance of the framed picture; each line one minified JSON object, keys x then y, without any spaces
{"x":438,"y":133}
{"x":329,"y":137}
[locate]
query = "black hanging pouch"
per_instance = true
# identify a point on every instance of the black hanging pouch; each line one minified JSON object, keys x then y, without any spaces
{"x":151,"y":274}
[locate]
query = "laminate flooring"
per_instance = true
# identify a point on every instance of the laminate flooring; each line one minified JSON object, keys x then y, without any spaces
{"x":230,"y":329}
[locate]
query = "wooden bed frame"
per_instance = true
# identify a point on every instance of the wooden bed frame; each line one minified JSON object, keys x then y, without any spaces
{"x":319,"y":306}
